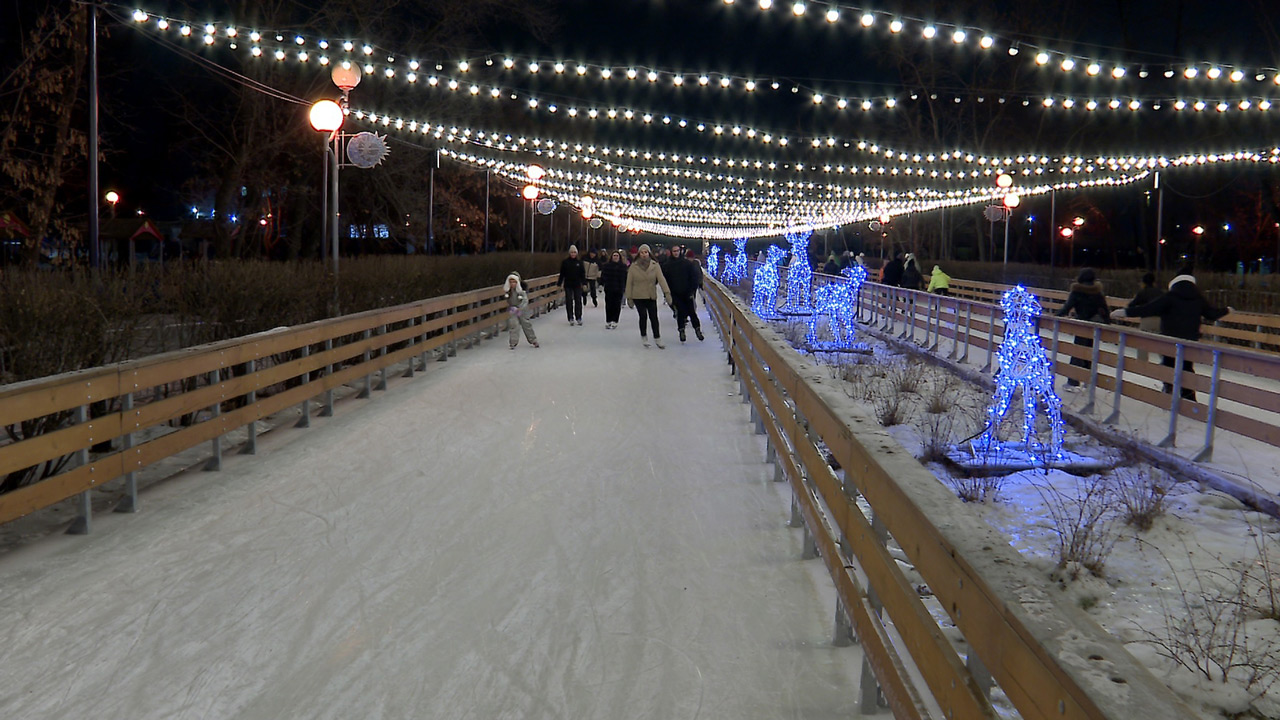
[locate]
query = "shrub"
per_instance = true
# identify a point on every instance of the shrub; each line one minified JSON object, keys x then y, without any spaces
{"x":977,"y":489}
{"x":1083,"y":521}
{"x":1141,"y":494}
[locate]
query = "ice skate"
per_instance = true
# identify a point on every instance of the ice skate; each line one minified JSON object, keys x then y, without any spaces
{"x":698,"y":331}
{"x":681,"y":334}
{"x":658,"y":342}
{"x":644,"y":339}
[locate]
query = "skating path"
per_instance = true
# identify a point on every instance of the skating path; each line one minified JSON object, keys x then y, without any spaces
{"x":586,"y":530}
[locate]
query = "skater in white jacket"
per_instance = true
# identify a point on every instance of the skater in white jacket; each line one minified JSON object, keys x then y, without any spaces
{"x":517,"y":304}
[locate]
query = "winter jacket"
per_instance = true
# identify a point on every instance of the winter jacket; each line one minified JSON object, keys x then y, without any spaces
{"x":517,"y":297}
{"x":571,"y":272}
{"x":614,"y":278}
{"x":681,"y":277}
{"x":892,"y":273}
{"x":1180,"y":310}
{"x":939,"y":280}
{"x":1088,"y":301}
{"x":911,"y":277}
{"x":642,"y":279}
{"x":592,"y":269}
{"x":1145,"y":295}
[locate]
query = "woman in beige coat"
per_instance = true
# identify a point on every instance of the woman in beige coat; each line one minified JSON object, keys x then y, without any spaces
{"x":643,"y":278}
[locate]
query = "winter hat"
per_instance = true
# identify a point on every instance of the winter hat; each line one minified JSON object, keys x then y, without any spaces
{"x":1087,"y":276}
{"x":573,"y":248}
{"x":513,"y":276}
{"x":1182,"y":278}
{"x":644,"y":248}
{"x":937,"y":268}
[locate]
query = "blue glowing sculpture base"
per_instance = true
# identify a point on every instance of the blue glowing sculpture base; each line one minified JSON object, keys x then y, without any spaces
{"x":997,"y":458}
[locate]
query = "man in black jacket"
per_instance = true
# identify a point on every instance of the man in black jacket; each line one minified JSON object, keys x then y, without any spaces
{"x":1180,"y":311}
{"x":684,"y":277}
{"x":892,"y":273}
{"x":573,"y":275}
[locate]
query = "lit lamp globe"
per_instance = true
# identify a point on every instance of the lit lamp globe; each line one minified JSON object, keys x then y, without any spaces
{"x":530,"y":192}
{"x":345,"y":77}
{"x":587,"y":212}
{"x":1004,"y":180}
{"x":113,"y":197}
{"x":1067,"y":232}
{"x":1012,"y":201}
{"x":535,"y":172}
{"x":326,"y":116}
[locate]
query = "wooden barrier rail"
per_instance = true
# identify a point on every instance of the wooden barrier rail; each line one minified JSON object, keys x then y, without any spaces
{"x":214,"y":389}
{"x":1240,"y":393}
{"x":1050,"y":659}
{"x":1239,"y":329}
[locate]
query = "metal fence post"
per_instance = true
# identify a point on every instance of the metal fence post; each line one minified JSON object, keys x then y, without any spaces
{"x":991,"y":339}
{"x":305,"y":405}
{"x":968,"y":330}
{"x":1206,"y":453}
{"x":1093,"y":369}
{"x":329,"y":370}
{"x":444,"y":349}
{"x":382,"y":353}
{"x":80,"y":525}
{"x":215,"y":462}
{"x":1175,"y":403}
{"x":129,"y":503}
{"x":251,"y":444}
{"x":1119,"y":390}
{"x":413,"y":341}
{"x":368,"y":376}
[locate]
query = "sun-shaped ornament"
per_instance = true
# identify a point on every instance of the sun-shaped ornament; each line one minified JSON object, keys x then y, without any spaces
{"x":366,"y":149}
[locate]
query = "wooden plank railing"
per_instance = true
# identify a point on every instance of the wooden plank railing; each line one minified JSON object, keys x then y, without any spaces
{"x":214,"y":389}
{"x":1050,"y":659}
{"x":1239,"y":329}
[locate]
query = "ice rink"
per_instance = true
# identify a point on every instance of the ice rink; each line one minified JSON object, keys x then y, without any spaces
{"x":585,"y":530}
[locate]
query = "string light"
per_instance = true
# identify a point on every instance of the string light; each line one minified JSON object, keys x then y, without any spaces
{"x":764,"y":286}
{"x":799,"y":274}
{"x":735,"y":268}
{"x":834,"y":302}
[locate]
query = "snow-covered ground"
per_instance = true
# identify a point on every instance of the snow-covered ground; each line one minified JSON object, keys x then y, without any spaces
{"x":585,"y":530}
{"x":1195,"y":597}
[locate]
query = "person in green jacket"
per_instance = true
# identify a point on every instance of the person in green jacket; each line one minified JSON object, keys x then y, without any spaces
{"x":939,"y":282}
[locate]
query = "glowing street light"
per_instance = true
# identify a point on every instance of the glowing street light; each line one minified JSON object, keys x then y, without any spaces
{"x":326,"y":116}
{"x":535,"y":172}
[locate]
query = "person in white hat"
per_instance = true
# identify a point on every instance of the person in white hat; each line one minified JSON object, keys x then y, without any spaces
{"x":643,"y":278}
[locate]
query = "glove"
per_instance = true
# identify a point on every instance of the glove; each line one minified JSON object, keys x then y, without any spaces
{"x":631,"y":303}
{"x":1118,"y":314}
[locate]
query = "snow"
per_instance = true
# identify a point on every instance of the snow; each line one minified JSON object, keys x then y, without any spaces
{"x":585,"y":530}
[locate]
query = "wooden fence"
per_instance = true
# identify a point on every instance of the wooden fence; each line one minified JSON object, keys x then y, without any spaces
{"x":211,"y":390}
{"x":1048,"y":658}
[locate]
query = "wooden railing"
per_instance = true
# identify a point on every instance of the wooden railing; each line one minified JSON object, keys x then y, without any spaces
{"x":212,"y":390}
{"x":1050,"y":660}
{"x":1239,"y":329}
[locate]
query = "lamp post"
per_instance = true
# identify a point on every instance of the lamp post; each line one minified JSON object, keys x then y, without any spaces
{"x":1011,"y":201}
{"x":1198,"y":232}
{"x":530,"y":193}
{"x":327,"y":116}
{"x":112,"y":197}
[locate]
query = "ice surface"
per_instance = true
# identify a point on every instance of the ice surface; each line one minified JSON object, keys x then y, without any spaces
{"x":585,"y":530}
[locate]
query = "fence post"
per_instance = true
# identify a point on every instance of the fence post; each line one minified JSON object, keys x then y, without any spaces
{"x":1175,"y":404}
{"x":1206,"y":453}
{"x":215,"y":462}
{"x":305,"y":420}
{"x":1119,"y":391}
{"x":129,"y":503}
{"x":444,"y":349}
{"x":968,"y":330}
{"x":382,"y":353}
{"x":251,"y":443}
{"x":80,"y":525}
{"x":909,"y":313}
{"x":1053,"y":351}
{"x":368,"y":376}
{"x":1093,"y":370}
{"x":413,"y":341}
{"x":422,"y":340}
{"x":328,"y":394}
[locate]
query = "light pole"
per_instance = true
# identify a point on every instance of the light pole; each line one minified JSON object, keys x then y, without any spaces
{"x":1011,"y":201}
{"x":327,"y":116}
{"x":1069,"y":233}
{"x":530,"y":193}
{"x":1198,"y":232}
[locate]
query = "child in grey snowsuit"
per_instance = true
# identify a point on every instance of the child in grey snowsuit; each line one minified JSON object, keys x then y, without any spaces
{"x":517,"y":303}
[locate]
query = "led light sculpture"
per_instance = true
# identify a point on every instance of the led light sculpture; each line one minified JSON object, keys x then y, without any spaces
{"x":799,"y":276}
{"x":735,"y":268}
{"x":713,"y":261}
{"x":764,"y":289}
{"x":834,"y":301}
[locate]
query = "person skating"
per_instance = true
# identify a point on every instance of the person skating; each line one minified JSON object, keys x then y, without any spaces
{"x":517,"y":302}
{"x":1148,"y":293}
{"x":643,"y":278}
{"x":592,"y":267}
{"x":684,"y":277}
{"x":572,"y":276}
{"x":672,"y":263}
{"x":1088,"y":302}
{"x":613,"y":277}
{"x":939,"y":282}
{"x":891,"y":273}
{"x":911,"y":277}
{"x":1181,"y":311}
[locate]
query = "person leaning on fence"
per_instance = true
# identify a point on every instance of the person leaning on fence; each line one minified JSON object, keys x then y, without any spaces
{"x":939,"y":282}
{"x":517,"y":304}
{"x":1148,"y":293}
{"x":1088,"y":302}
{"x":1181,"y":311}
{"x":911,"y":277}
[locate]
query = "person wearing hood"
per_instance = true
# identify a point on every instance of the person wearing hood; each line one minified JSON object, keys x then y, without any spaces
{"x":613,"y":276}
{"x":911,"y":277}
{"x":891,"y":273}
{"x":643,"y":278}
{"x":832,"y":267}
{"x":1089,"y":303}
{"x":592,"y":268}
{"x":573,"y":275}
{"x":517,"y":304}
{"x":1181,"y":310}
{"x":939,"y":282}
{"x":1148,"y":293}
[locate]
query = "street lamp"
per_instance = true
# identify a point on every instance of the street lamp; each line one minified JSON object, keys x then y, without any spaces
{"x":112,"y":197}
{"x":326,"y":116}
{"x":530,"y":193}
{"x":1011,"y":201}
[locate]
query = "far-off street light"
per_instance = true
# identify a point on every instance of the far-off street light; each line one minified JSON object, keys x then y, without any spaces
{"x":326,"y":116}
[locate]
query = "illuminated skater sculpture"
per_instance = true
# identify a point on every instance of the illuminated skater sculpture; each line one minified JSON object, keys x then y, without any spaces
{"x":799,"y":276}
{"x":764,"y":288}
{"x":1025,"y":367}
{"x":713,"y":261}
{"x":834,"y":301}
{"x":735,"y":268}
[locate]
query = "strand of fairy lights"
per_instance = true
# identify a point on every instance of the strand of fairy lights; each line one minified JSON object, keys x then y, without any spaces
{"x":1042,"y":56}
{"x":230,"y":33}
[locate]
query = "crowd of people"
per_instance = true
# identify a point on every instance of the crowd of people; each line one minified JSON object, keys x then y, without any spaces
{"x":635,"y":276}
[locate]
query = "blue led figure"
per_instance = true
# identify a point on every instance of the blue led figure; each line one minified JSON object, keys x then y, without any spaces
{"x":1024,"y":366}
{"x":735,"y":268}
{"x":713,"y":261}
{"x":834,"y":301}
{"x":764,"y":289}
{"x":799,"y":275}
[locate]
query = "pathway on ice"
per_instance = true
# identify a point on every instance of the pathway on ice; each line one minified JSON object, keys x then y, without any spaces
{"x":585,"y":530}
